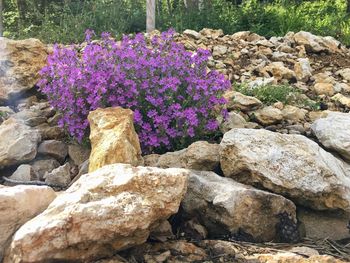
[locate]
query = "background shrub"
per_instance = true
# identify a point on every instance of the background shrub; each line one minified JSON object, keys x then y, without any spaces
{"x":174,"y":98}
{"x":65,"y":21}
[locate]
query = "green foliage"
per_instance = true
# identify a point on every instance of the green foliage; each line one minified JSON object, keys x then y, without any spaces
{"x":268,"y":94}
{"x":65,"y":21}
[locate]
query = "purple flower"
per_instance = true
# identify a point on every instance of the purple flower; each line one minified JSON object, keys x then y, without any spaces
{"x":168,"y":88}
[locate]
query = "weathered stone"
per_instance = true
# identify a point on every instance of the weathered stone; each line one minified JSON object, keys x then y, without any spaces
{"x":268,"y":115}
{"x":317,"y":44}
{"x":291,"y":165}
{"x":18,"y":143}
{"x":221,"y":205}
{"x":18,"y":205}
{"x":259,"y":82}
{"x":341,"y":87}
{"x":20,"y":63}
{"x":106,"y":211}
{"x":322,"y":225}
{"x":43,"y":166}
{"x":279,"y":71}
{"x":24,"y":172}
{"x":324,"y":89}
{"x":315,"y":115}
{"x":50,"y":133}
{"x":212,"y":33}
{"x":78,"y":153}
{"x":219,"y":50}
{"x":341,"y":99}
{"x":233,"y":120}
{"x":200,"y":155}
{"x":302,"y":69}
{"x":59,"y":176}
{"x":293,"y":114}
{"x":333,"y":132}
{"x":53,"y":148}
{"x":192,"y":33}
{"x":344,"y":73}
{"x":151,"y":160}
{"x":238,"y":101}
{"x":113,"y":138}
{"x":324,"y":77}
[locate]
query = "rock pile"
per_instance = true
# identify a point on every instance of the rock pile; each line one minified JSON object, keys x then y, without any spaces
{"x":317,"y":68}
{"x":280,"y":173}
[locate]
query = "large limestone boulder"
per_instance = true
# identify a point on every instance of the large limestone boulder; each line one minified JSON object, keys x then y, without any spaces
{"x":223,"y":205}
{"x":103,"y":212}
{"x":334,"y":132}
{"x":18,"y":143}
{"x":20,"y":63}
{"x":18,"y":205}
{"x":113,"y":138}
{"x":317,"y":44}
{"x":291,"y":165}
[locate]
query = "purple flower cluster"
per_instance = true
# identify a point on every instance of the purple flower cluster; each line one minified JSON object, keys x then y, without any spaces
{"x":174,"y":98}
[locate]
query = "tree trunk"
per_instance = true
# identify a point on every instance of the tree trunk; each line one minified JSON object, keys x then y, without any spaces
{"x":151,"y":15}
{"x":1,"y":19}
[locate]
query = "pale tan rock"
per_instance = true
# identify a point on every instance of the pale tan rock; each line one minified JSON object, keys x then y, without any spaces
{"x":22,"y":61}
{"x":278,"y":105}
{"x":18,"y":205}
{"x":233,"y":120}
{"x":294,"y":114}
{"x":279,"y":71}
{"x":238,"y":101}
{"x":268,"y":115}
{"x":342,"y":87}
{"x":18,"y":143}
{"x":314,"y":115}
{"x":219,"y":50}
{"x":192,"y":33}
{"x":333,"y":132}
{"x":113,"y":138}
{"x":106,"y":211}
{"x":343,"y":100}
{"x":24,"y":172}
{"x":200,"y":155}
{"x":60,"y":176}
{"x":291,"y":165}
{"x":324,"y":77}
{"x":324,"y":89}
{"x":317,"y":44}
{"x":344,"y":73}
{"x":222,"y":206}
{"x":211,"y":33}
{"x":303,"y":69}
{"x":151,"y":160}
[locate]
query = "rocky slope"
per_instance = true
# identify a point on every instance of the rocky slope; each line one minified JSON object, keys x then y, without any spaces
{"x":281,"y":172}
